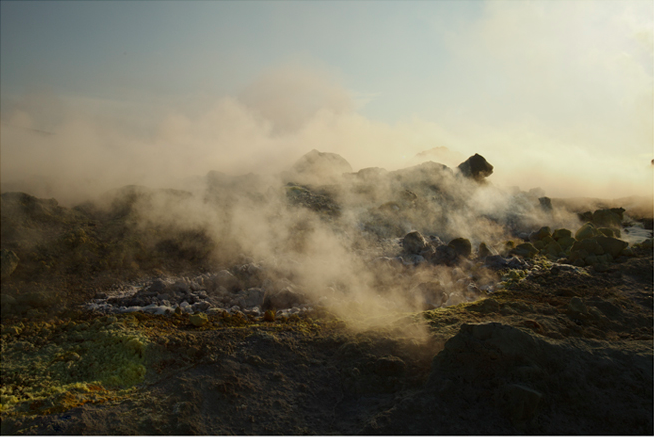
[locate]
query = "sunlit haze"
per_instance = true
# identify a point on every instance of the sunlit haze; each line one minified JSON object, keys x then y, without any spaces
{"x":96,"y":95}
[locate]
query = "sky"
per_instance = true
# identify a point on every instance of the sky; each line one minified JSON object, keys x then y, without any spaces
{"x":557,"y":95}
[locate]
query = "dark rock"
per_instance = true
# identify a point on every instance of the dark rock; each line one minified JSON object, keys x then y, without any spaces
{"x":486,"y":306}
{"x":8,"y":263}
{"x":157,"y":286}
{"x":612,"y":245}
{"x":498,"y":262}
{"x":545,"y":203}
{"x":495,"y":262}
{"x":525,"y":250}
{"x":588,"y":245}
{"x":561,"y":233}
{"x":484,"y":251}
{"x":284,"y":298}
{"x":585,"y":216}
{"x":181,"y":287}
{"x":519,"y":403}
{"x":445,"y":255}
{"x":588,"y":230}
{"x":516,"y":263}
{"x":462,"y":246}
{"x":435,"y":241}
{"x":389,"y":366}
{"x":225,"y":279}
{"x":540,"y":234}
{"x":320,"y":201}
{"x":609,"y":232}
{"x":252,"y":297}
{"x":608,"y":218}
{"x":414,"y":242}
{"x":476,"y":167}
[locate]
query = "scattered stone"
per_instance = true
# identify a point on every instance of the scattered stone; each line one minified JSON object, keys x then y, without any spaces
{"x":414,"y":242}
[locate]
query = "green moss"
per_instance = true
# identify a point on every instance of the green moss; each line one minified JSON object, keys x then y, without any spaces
{"x":58,"y":358}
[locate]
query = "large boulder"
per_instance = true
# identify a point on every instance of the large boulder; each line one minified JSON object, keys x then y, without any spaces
{"x":608,"y":218}
{"x":612,"y":246}
{"x":588,"y":230}
{"x":476,"y":167}
{"x":462,"y":246}
{"x":525,"y":250}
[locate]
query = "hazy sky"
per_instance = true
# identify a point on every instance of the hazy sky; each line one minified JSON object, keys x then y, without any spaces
{"x":557,"y":94}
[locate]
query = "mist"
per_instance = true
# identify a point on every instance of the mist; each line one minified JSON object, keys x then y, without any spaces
{"x":74,"y":149}
{"x":555,"y":118}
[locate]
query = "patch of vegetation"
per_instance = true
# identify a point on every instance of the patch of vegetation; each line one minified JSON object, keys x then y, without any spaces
{"x":44,"y":364}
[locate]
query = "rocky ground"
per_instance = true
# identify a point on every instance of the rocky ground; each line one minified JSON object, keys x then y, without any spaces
{"x":387,"y":303}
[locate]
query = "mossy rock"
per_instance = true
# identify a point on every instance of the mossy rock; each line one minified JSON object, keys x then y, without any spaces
{"x":199,"y":319}
{"x":538,"y":235}
{"x":554,"y":249}
{"x":612,"y":245}
{"x":586,"y":231}
{"x":566,"y":242}
{"x":561,"y":233}
{"x":610,"y":232}
{"x":525,"y":250}
{"x":589,"y":245}
{"x":610,"y":218}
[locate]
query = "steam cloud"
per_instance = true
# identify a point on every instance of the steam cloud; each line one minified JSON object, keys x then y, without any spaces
{"x":573,"y":141}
